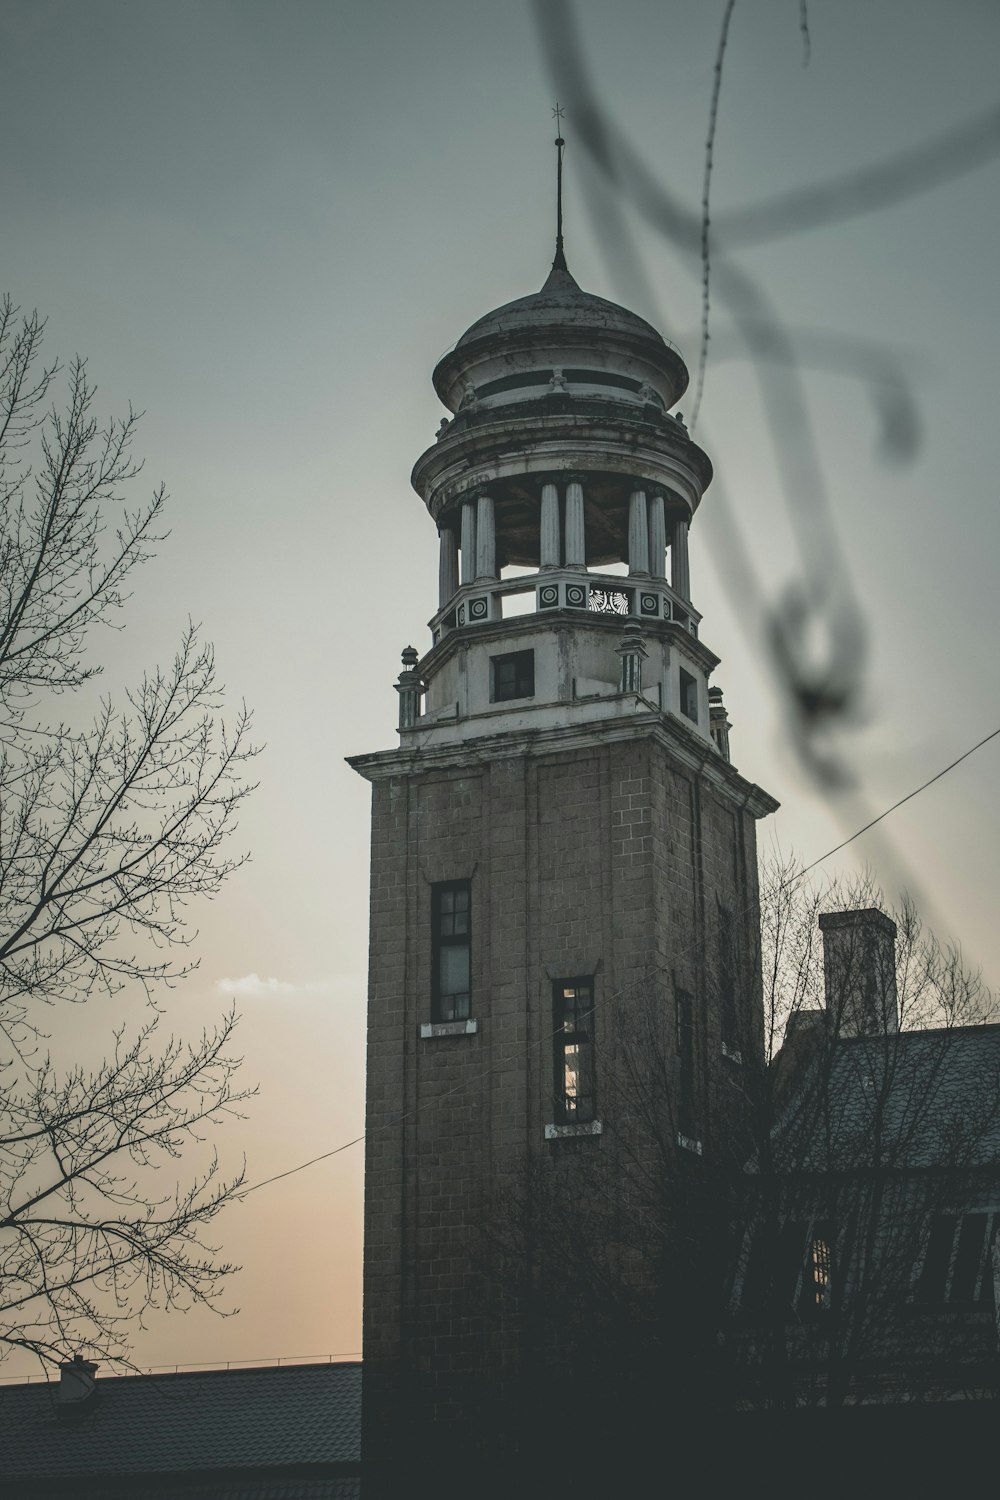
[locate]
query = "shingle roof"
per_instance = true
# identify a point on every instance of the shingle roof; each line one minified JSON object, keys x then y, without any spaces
{"x":217,"y":1420}
{"x":934,"y":1097}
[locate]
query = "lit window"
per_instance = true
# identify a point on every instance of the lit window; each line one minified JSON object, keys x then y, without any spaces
{"x":790,"y":1270}
{"x":451,"y":987}
{"x":512,"y":676}
{"x":815,"y":1295}
{"x":573,"y":1013}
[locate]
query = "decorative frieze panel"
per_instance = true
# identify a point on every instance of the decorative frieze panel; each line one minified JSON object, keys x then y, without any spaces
{"x":596,"y":593}
{"x":610,"y":601}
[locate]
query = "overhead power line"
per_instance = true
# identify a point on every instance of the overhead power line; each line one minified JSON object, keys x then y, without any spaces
{"x":908,"y":798}
{"x":346,"y":1146}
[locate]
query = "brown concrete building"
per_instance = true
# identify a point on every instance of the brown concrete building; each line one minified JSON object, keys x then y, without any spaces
{"x":559,"y":829}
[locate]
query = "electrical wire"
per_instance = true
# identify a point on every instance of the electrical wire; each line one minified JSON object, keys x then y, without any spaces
{"x":908,"y":798}
{"x":485,"y":1073}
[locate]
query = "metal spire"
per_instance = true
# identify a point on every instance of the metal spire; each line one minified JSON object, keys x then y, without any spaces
{"x":559,"y":263}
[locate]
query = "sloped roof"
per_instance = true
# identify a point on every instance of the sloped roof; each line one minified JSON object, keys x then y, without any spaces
{"x":194,"y":1421}
{"x":915,"y":1100}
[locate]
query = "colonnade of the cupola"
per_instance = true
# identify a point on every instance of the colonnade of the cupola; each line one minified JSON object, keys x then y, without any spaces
{"x":562,"y":488}
{"x":485,"y":537}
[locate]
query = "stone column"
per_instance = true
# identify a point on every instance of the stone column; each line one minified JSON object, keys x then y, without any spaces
{"x":576,"y":538}
{"x":657,"y":537}
{"x":468,"y":541}
{"x":718,"y":722}
{"x":631,"y":653}
{"x":549,"y":540}
{"x":447,"y":566}
{"x":638,"y":533}
{"x":409,"y":687}
{"x":680,"y":573}
{"x":486,"y":539}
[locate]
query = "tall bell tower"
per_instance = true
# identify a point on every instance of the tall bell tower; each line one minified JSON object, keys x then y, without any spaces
{"x":560,"y":821}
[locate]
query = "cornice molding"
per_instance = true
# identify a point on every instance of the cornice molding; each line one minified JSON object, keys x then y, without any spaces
{"x":687,"y":749}
{"x":489,"y":632}
{"x":560,"y":446}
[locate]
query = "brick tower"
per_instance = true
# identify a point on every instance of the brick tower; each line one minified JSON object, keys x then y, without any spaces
{"x":559,"y":827}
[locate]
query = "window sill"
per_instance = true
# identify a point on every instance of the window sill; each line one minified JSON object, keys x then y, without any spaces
{"x":448,"y":1028}
{"x":689,"y":1144}
{"x":567,"y":1132}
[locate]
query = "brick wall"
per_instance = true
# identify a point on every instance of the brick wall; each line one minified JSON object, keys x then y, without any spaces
{"x":607,"y":861}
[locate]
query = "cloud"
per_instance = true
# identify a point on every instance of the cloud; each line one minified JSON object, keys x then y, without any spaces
{"x":253,"y":987}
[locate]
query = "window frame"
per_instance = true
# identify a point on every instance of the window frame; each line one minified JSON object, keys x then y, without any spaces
{"x":729,"y":973}
{"x":522,"y":679}
{"x":563,"y":1039}
{"x":449,"y":1007}
{"x":688,"y":695}
{"x":799,"y":1281}
{"x":814,"y":1297}
{"x":687,"y":1062}
{"x":949,"y":1278}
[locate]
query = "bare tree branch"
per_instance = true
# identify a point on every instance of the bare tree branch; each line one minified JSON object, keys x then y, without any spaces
{"x":108,"y":832}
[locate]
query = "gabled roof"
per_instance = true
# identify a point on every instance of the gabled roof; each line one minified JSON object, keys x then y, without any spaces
{"x":909,"y":1101}
{"x":277,"y":1418}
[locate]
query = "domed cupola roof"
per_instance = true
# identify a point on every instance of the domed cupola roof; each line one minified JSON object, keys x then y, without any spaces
{"x":565,"y":340}
{"x":560,"y":301}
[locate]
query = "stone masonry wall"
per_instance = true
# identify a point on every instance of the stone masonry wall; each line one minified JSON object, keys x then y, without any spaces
{"x":598,"y":861}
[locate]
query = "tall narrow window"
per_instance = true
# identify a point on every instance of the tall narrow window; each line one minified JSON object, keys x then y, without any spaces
{"x":451,"y":916}
{"x":967,"y":1271}
{"x":689,"y":696}
{"x":573,"y":1014}
{"x":686,"y":1064}
{"x":937,"y":1259}
{"x":790,"y":1270}
{"x":727,"y":977}
{"x":817,"y":1273}
{"x":958,"y":1266}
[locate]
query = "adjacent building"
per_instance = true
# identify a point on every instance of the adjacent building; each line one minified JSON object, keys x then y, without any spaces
{"x":278,"y":1432}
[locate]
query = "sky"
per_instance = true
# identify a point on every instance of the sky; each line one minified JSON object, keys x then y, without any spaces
{"x":264,"y":223}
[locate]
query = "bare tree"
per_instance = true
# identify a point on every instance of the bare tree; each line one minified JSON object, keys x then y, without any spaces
{"x":755,"y":1227}
{"x":112,"y":819}
{"x":876,"y":1117}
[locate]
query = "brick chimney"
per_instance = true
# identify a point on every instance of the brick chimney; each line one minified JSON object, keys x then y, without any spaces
{"x":77,"y":1387}
{"x":859,"y":971}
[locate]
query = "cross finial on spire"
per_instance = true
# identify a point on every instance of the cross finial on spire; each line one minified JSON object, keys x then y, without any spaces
{"x":559,"y":263}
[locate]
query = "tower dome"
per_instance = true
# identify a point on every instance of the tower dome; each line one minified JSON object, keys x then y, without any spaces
{"x":561,"y":300}
{"x":561,"y":339}
{"x":561,"y":388}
